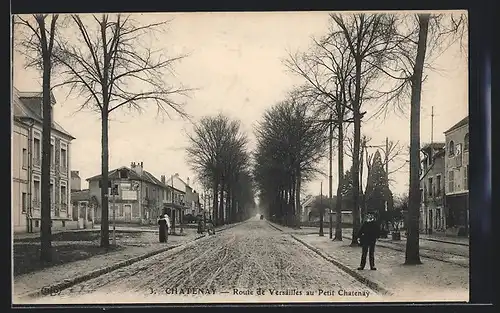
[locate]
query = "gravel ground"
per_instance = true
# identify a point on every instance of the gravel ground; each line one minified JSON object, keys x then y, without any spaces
{"x":431,"y":281}
{"x":250,"y":257}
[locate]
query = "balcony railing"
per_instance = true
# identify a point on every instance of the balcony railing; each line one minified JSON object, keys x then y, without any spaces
{"x":36,"y":162}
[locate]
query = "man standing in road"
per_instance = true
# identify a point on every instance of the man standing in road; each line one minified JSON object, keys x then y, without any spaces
{"x":368,"y":234}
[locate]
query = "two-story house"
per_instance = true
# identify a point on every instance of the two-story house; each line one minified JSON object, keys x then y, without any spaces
{"x":83,"y":205}
{"x":192,"y":201}
{"x":175,"y":205}
{"x":26,"y":164}
{"x":140,"y":195}
{"x":457,"y":176}
{"x":432,"y":212}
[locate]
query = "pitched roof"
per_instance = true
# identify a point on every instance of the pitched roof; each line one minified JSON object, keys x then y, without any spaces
{"x":21,"y":110}
{"x":463,"y":122}
{"x":146,"y":176}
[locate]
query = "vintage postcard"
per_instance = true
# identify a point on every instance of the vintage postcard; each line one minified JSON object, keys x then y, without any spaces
{"x":240,"y":157}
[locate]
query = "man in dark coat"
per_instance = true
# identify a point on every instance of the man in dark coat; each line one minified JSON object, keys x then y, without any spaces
{"x":368,"y":234}
{"x":163,"y":223}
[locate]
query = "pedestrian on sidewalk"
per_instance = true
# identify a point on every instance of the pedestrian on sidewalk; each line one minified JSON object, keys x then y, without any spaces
{"x":164,"y":226}
{"x":367,"y":235}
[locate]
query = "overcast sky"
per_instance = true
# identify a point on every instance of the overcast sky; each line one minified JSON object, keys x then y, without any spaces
{"x":236,"y":63}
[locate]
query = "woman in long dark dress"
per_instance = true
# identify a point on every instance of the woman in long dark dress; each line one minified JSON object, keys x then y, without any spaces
{"x":162,"y":222}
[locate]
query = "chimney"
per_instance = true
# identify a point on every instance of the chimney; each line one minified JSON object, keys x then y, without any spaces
{"x":142,"y":165}
{"x":137,"y":168}
{"x":132,"y":165}
{"x":188,"y":181}
{"x":176,"y":175}
{"x":163,"y":179}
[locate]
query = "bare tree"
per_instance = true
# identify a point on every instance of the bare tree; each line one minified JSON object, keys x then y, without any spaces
{"x":289,"y":146}
{"x":218,"y":153}
{"x":111,"y":69}
{"x":38,"y":48}
{"x":423,"y":38}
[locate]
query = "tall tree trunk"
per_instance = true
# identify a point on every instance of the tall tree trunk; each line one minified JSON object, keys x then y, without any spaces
{"x":412,"y":255}
{"x":215,"y":200}
{"x":46,"y":221}
{"x":355,"y":160}
{"x":292,"y":201}
{"x":361,"y":166}
{"x":221,"y":203}
{"x":228,"y":203}
{"x":297,"y":197}
{"x":105,"y":179}
{"x":338,"y":205}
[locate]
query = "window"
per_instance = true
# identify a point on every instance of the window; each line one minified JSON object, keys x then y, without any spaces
{"x":64,"y":195}
{"x":23,"y":202}
{"x":466,"y":177}
{"x":451,"y":181}
{"x":64,"y":158}
{"x":36,"y":190}
{"x":430,"y":187}
{"x":438,"y":185}
{"x":466,"y":142}
{"x":52,"y":195}
{"x":123,"y":173}
{"x":52,"y":154}
{"x":451,"y":149}
{"x":36,"y":151}
{"x":25,"y":158}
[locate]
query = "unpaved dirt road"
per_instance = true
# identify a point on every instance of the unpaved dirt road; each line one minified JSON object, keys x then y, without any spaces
{"x":250,"y":256}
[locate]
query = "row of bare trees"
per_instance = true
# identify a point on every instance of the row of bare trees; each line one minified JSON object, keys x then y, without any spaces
{"x":105,"y":62}
{"x":290,"y":143}
{"x":377,"y":62}
{"x":218,"y":152}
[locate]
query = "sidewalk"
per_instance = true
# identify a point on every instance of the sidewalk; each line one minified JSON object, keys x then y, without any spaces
{"x":35,"y":281}
{"x":437,"y":238}
{"x":431,"y":281}
{"x":125,"y":228}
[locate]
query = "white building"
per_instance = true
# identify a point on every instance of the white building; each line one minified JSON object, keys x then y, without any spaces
{"x":457,"y":176}
{"x":26,"y":165}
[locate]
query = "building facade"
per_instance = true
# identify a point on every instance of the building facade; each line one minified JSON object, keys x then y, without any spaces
{"x":457,"y":176}
{"x":175,"y":204}
{"x":140,"y":195}
{"x":26,"y":165}
{"x":76,"y":181}
{"x":432,"y":183}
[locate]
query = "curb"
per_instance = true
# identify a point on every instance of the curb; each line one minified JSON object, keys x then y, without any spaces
{"x":424,"y":255}
{"x":343,"y":267}
{"x":58,"y":287}
{"x":444,"y":241}
{"x":371,"y":284}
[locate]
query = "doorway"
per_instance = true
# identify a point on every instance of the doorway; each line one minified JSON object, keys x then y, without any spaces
{"x":127,"y":212}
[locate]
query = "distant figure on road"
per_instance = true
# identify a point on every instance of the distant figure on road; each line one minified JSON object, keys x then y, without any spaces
{"x":164,"y":224}
{"x":367,"y":235}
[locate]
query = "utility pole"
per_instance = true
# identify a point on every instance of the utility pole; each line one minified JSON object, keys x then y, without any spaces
{"x":321,"y":211}
{"x":330,"y":219}
{"x":387,"y":167}
{"x":114,"y":209}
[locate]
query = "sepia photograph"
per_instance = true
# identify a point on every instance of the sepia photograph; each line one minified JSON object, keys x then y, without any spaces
{"x":240,"y":157}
